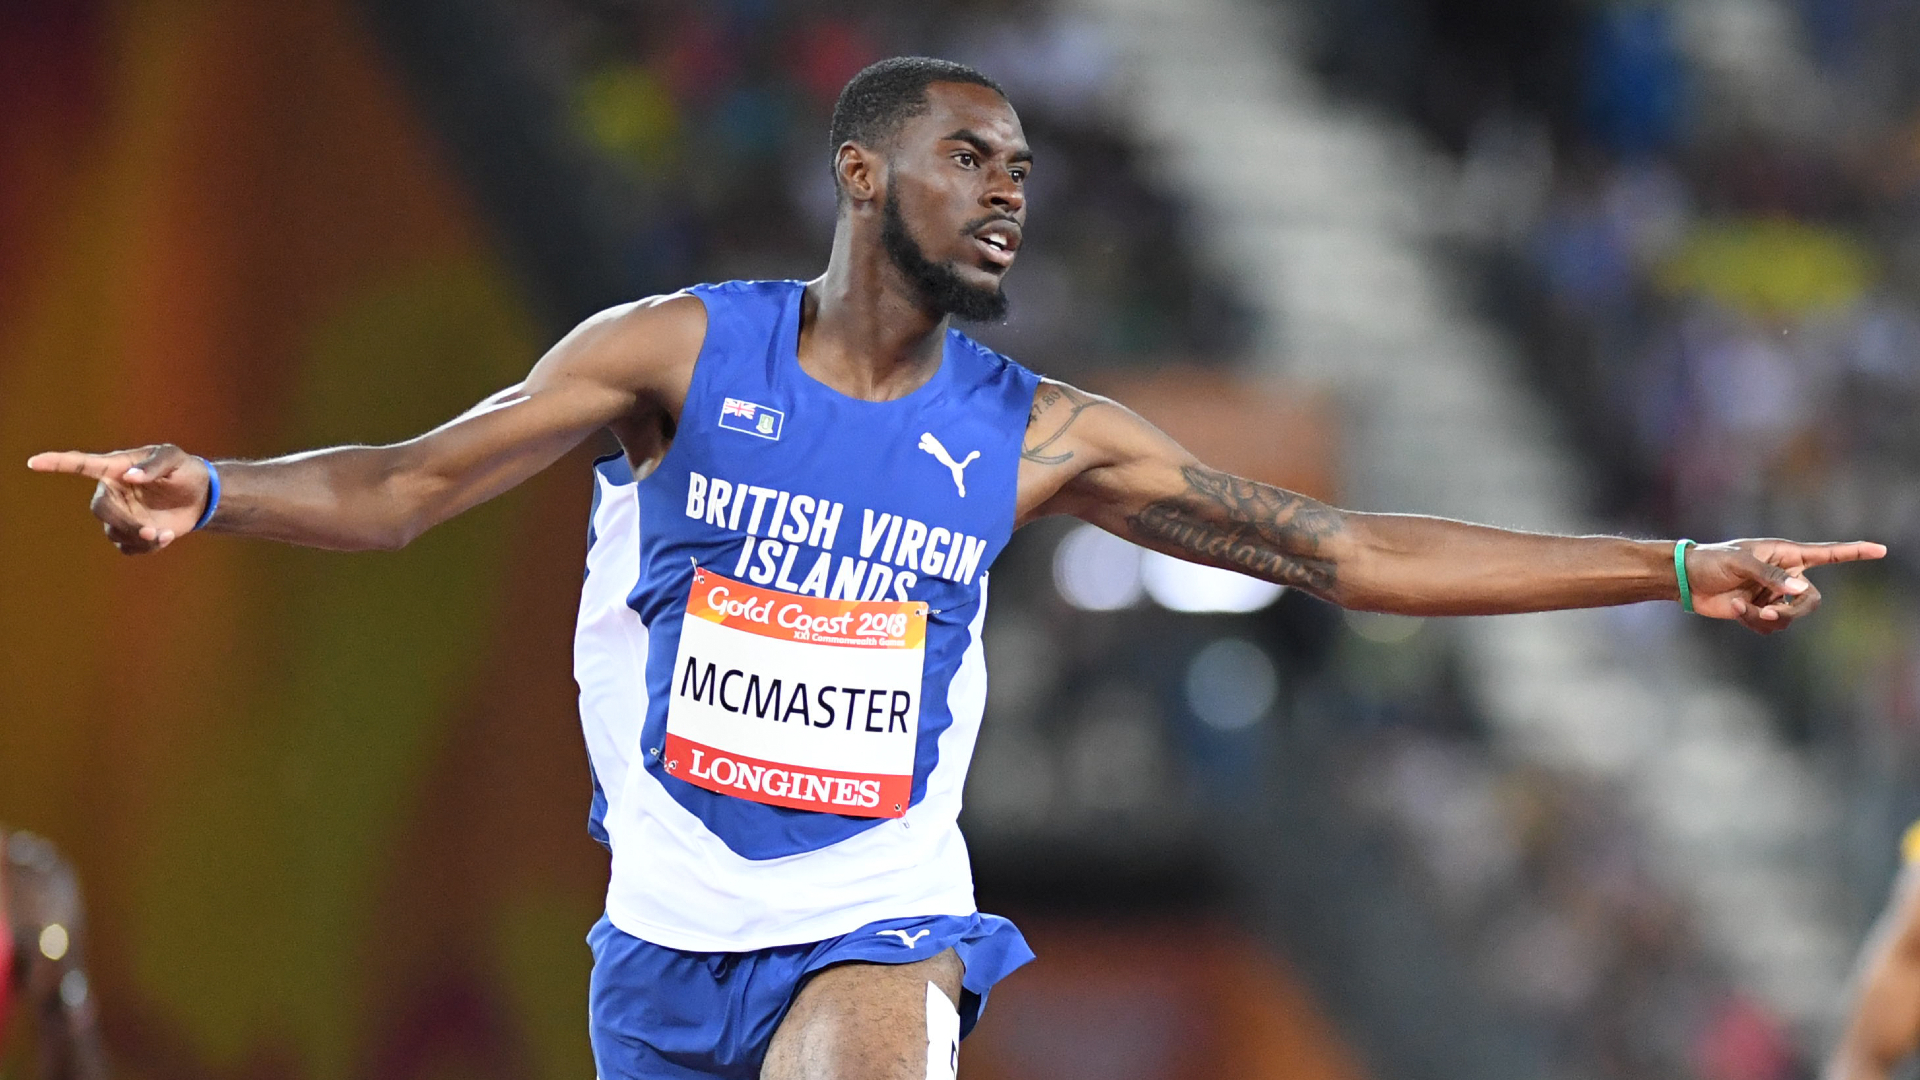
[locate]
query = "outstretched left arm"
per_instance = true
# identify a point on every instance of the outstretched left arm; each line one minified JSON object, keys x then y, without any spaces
{"x":1091,"y":458}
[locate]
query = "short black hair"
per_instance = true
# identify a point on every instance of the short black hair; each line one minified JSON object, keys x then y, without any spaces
{"x":874,"y":103}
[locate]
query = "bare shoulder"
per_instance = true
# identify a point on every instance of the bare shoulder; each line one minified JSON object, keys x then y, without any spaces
{"x":1070,"y":427}
{"x":1054,"y":422}
{"x":1076,"y":445}
{"x":681,"y":311}
{"x":660,"y":335}
{"x":645,"y":349}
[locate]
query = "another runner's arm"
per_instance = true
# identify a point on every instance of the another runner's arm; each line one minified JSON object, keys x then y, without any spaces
{"x":1884,"y":1026}
{"x":613,"y":366}
{"x":1091,"y":458}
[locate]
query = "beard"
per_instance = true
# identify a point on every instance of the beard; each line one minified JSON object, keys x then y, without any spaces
{"x":937,"y":286}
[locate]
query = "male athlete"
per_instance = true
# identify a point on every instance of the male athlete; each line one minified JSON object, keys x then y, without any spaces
{"x":778,"y":649}
{"x":40,"y":954}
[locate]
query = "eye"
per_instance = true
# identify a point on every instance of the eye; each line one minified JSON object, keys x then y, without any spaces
{"x":1019,"y":175}
{"x":966,"y":159}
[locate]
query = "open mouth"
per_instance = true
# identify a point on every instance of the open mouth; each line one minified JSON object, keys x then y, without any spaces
{"x":997,"y":253}
{"x":998,"y":244}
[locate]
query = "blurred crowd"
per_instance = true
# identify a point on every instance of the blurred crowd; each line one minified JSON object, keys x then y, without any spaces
{"x":1728,"y":307}
{"x":1720,"y":288}
{"x":715,"y":118}
{"x":1540,"y":880}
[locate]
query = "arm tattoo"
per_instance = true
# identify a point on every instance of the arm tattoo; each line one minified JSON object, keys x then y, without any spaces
{"x":1266,"y":531}
{"x":1043,"y":402}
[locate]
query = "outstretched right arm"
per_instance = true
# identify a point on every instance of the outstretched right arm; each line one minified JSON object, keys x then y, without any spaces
{"x":630,"y":364}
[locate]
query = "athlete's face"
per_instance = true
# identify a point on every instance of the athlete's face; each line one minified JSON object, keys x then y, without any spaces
{"x":955,"y":200}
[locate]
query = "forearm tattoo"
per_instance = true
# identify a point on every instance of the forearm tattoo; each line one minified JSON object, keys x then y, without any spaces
{"x":1041,"y":449}
{"x":1266,"y":531}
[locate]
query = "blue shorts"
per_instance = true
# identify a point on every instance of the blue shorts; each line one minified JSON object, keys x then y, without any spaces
{"x":662,"y":1014}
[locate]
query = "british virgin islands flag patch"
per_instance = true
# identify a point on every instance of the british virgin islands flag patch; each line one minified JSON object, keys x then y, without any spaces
{"x":737,"y":415}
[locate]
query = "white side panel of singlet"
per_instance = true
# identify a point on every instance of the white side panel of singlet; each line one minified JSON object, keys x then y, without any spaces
{"x":610,"y":643}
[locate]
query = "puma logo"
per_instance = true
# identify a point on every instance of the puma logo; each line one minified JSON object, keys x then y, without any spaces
{"x":932,"y":446}
{"x":909,"y":940}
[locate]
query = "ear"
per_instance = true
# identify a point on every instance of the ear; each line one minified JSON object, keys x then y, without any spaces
{"x":859,"y":171}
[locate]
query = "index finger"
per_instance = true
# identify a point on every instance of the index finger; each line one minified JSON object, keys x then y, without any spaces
{"x":93,"y":466}
{"x":1822,"y":554}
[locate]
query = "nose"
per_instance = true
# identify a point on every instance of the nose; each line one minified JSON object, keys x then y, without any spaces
{"x":1005,"y":194}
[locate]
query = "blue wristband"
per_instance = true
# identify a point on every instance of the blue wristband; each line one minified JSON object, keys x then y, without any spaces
{"x":213,"y":495}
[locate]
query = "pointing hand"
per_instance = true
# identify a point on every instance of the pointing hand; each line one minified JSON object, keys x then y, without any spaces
{"x":146,"y":497}
{"x":1762,"y":583}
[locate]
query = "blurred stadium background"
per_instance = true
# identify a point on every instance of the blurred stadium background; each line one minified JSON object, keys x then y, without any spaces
{"x":1620,"y":264}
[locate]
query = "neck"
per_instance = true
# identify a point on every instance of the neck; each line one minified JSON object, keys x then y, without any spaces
{"x":863,"y":330}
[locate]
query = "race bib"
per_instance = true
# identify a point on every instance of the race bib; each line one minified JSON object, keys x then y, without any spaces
{"x":797,"y":701}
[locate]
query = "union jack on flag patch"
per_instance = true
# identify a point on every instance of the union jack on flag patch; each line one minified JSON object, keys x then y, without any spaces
{"x":738,"y":415}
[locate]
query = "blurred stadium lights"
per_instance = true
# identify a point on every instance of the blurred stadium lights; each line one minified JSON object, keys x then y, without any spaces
{"x":54,"y":942}
{"x":1381,"y":628}
{"x":1189,"y":587}
{"x":1093,"y":570}
{"x":1232,"y":684}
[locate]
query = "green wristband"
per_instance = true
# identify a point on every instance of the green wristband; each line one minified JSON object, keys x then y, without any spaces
{"x":1680,"y":572}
